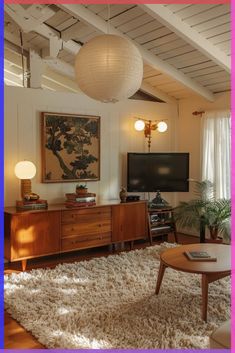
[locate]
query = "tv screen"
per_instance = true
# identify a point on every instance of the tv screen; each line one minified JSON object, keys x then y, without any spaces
{"x":149,"y":172}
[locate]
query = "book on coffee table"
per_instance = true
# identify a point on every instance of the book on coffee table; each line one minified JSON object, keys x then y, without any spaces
{"x":199,"y":256}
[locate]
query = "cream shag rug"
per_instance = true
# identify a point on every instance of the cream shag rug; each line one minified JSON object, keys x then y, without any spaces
{"x":109,"y":302}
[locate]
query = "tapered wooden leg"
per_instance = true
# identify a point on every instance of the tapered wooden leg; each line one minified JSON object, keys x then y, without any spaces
{"x":149,"y":231}
{"x":175,"y":232}
{"x":131,"y":245}
{"x":23,"y":265}
{"x":111,"y":248}
{"x":204,"y":296}
{"x":160,"y":276}
{"x":176,"y":237}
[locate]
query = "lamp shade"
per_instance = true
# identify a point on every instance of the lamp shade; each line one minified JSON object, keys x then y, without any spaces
{"x":162,"y":126}
{"x":25,"y":170}
{"x":109,"y":68}
{"x":139,"y":125}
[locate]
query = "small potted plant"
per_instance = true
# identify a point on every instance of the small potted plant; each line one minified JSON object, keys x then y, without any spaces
{"x":81,"y":189}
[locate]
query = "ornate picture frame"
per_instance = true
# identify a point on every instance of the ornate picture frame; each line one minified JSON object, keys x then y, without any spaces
{"x":70,"y":147}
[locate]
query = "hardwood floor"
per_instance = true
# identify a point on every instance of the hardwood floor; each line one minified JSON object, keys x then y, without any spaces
{"x":16,"y":337}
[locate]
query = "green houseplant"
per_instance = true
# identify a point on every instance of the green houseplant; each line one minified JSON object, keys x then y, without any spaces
{"x":205,"y":212}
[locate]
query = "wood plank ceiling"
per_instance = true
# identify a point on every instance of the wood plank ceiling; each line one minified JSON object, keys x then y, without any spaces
{"x":211,"y":21}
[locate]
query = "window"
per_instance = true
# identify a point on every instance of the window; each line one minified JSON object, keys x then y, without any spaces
{"x":216,"y":151}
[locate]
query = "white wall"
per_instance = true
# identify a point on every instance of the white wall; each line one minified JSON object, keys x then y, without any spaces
{"x":22,"y":138}
{"x":189,"y":131}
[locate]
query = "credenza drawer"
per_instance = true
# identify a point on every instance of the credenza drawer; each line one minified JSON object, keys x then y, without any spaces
{"x":84,"y":228}
{"x":86,"y":215}
{"x":81,"y":242}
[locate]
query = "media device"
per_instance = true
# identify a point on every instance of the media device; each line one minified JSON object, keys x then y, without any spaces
{"x":131,"y":198}
{"x":149,"y":172}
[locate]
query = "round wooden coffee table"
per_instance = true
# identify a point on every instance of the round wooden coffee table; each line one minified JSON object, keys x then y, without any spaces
{"x":210,"y":271}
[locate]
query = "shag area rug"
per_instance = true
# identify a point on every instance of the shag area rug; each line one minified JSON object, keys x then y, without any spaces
{"x":109,"y":302}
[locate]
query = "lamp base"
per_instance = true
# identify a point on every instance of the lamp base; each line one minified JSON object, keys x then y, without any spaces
{"x":25,"y":187}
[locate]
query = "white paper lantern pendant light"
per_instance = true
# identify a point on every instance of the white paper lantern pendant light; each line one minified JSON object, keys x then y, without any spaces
{"x":109,"y":68}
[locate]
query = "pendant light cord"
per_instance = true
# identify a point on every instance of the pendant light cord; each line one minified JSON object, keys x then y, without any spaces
{"x":22,"y":55}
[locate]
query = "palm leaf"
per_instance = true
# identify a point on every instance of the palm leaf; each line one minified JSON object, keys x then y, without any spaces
{"x":204,"y":190}
{"x":215,"y":213}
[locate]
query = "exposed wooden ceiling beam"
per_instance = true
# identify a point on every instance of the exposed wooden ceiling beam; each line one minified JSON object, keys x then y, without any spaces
{"x":54,"y":72}
{"x":62,"y":67}
{"x":70,"y":46}
{"x":67,"y":74}
{"x":28,"y":19}
{"x":147,"y":88}
{"x":66,"y":69}
{"x":60,"y":79}
{"x":190,"y":35}
{"x":14,"y":39}
{"x":18,"y":14}
{"x":100,"y":25}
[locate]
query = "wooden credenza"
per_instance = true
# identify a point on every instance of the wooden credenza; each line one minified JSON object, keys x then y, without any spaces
{"x":35,"y":233}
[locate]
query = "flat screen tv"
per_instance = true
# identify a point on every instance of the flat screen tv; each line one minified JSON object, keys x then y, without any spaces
{"x":149,"y":172}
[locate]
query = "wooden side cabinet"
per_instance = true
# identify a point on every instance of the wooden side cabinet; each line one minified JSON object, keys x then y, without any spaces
{"x":161,"y":222}
{"x":29,"y":235}
{"x":129,"y":222}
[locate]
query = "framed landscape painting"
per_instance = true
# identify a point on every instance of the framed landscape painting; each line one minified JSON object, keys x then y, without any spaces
{"x":70,"y":147}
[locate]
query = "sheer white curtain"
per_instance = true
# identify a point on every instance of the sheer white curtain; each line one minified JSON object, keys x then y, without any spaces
{"x":216,"y":151}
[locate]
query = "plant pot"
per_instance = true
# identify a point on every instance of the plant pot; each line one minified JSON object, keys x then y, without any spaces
{"x":81,"y":191}
{"x":214,"y":230}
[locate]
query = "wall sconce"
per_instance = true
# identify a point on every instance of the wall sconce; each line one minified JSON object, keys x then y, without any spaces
{"x":148,"y":126}
{"x":25,"y":171}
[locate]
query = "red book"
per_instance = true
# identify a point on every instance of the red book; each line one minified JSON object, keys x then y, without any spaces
{"x":79,"y":204}
{"x":74,"y":196}
{"x":71,"y":196}
{"x":30,"y":202}
{"x":87,"y":194}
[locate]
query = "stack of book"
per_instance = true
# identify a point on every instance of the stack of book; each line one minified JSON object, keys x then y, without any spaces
{"x":80,"y":200}
{"x":199,"y":256}
{"x":31,"y":204}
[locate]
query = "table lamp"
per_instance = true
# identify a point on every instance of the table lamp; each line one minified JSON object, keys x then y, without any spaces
{"x":25,"y":171}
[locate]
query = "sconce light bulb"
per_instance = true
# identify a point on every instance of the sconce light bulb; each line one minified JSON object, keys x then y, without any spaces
{"x":162,"y":126}
{"x":139,"y":125}
{"x":25,"y":170}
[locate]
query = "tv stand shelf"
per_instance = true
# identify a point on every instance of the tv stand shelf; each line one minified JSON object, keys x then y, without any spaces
{"x":161,"y":222}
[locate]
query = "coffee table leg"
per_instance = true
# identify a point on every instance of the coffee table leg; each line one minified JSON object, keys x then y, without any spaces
{"x":160,"y":276}
{"x":205,"y":283}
